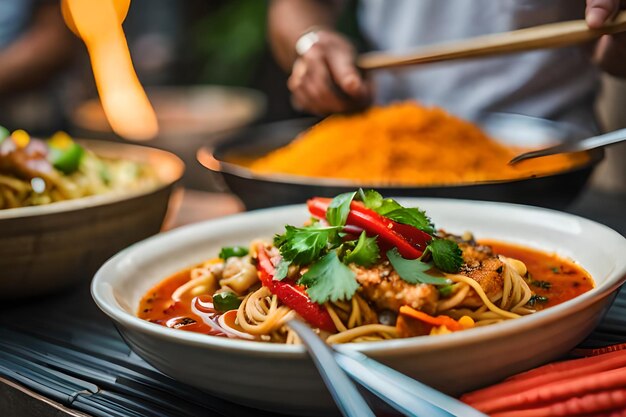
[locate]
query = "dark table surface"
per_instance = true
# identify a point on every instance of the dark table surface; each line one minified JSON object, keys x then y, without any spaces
{"x":61,"y":356}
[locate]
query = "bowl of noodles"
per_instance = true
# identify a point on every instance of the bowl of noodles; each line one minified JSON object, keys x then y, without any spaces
{"x":457,"y":294}
{"x":66,"y":206}
{"x":404,"y":149}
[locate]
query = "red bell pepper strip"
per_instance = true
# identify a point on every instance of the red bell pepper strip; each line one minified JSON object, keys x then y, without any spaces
{"x":409,"y":240}
{"x":292,"y":295}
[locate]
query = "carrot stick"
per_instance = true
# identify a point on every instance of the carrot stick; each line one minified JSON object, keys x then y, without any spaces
{"x":569,"y":364}
{"x":577,"y":406}
{"x":447,"y":321}
{"x":554,"y":391}
{"x":550,"y":373}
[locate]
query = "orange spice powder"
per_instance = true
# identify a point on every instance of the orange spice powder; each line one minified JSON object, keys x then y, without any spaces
{"x":404,"y":143}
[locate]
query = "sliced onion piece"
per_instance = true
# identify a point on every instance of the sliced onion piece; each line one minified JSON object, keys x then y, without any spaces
{"x":227,"y":322}
{"x":203,"y":303}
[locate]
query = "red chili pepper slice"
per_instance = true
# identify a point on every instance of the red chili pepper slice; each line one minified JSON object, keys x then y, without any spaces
{"x":292,"y":295}
{"x":409,"y":240}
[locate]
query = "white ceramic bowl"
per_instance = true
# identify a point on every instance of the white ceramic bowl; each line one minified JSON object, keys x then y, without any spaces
{"x":281,"y":377}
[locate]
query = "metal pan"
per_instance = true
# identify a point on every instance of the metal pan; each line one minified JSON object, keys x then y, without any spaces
{"x":556,"y":190}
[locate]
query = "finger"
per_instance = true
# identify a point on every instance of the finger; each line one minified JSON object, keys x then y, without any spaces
{"x":310,"y":86}
{"x":303,"y":103}
{"x":298,"y":71}
{"x":318,"y":83}
{"x":599,"y":11}
{"x":322,"y":90}
{"x":324,"y":100}
{"x":344,"y":73}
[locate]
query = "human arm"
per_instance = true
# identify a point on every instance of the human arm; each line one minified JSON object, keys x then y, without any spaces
{"x":43,"y":48}
{"x":610,"y":52}
{"x":323,"y":79}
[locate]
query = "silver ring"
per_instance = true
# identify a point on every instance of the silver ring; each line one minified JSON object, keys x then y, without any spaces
{"x":306,"y":42}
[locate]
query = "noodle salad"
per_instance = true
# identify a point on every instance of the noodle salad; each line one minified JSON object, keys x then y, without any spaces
{"x":35,"y":172}
{"x":363,"y":268}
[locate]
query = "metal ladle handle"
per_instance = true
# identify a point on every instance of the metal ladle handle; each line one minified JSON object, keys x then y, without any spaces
{"x":588,"y":144}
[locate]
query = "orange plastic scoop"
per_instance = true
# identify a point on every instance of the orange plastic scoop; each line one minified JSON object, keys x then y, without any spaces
{"x":99,"y":24}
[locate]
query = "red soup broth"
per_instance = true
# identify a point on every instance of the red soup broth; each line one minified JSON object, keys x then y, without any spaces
{"x":157,"y":306}
{"x":551,"y":276}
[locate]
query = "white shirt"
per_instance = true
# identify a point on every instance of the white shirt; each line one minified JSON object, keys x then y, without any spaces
{"x":552,"y":83}
{"x":14,"y":15}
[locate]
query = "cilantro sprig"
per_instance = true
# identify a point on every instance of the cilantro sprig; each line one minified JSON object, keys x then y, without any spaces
{"x":446,"y":254}
{"x":414,"y":271}
{"x":363,"y":252}
{"x":326,"y":250}
{"x":329,"y":280}
{"x":232,"y":251}
{"x":303,"y":245}
{"x":393,"y":210}
{"x":339,"y":208}
{"x":327,"y":255}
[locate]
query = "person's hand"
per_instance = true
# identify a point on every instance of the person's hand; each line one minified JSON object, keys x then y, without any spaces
{"x":324,"y":78}
{"x":610,"y":53}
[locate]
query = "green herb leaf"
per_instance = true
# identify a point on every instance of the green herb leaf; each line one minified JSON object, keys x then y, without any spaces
{"x":391,"y":209}
{"x":413,"y":217}
{"x":281,"y":270}
{"x":105,"y":173}
{"x":230,"y":251}
{"x":66,"y":160}
{"x":446,"y":290}
{"x":4,"y":133}
{"x":370,"y":198}
{"x":541,"y":284}
{"x":339,"y":208}
{"x":303,"y":245}
{"x":447,"y":256}
{"x":388,"y":205}
{"x":374,"y":201}
{"x":329,"y":280}
{"x":537,"y":299}
{"x":225,"y":301}
{"x":413,"y":271}
{"x":365,"y":253}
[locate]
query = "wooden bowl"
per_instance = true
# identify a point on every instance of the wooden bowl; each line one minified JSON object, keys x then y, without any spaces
{"x":50,"y":247}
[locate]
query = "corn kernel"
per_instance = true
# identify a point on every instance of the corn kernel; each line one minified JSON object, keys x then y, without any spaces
{"x":60,"y":140}
{"x":439,"y":330}
{"x":467,"y":322}
{"x":21,"y":138}
{"x":200,"y":289}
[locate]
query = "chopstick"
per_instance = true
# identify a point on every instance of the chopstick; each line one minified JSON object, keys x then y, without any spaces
{"x":343,"y":391}
{"x":552,"y":35}
{"x":404,"y":394}
{"x":387,"y":390}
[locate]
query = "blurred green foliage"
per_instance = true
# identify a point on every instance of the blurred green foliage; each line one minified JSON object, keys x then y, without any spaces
{"x":230,"y":42}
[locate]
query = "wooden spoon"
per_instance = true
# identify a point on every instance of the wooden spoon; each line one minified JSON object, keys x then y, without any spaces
{"x":552,"y":35}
